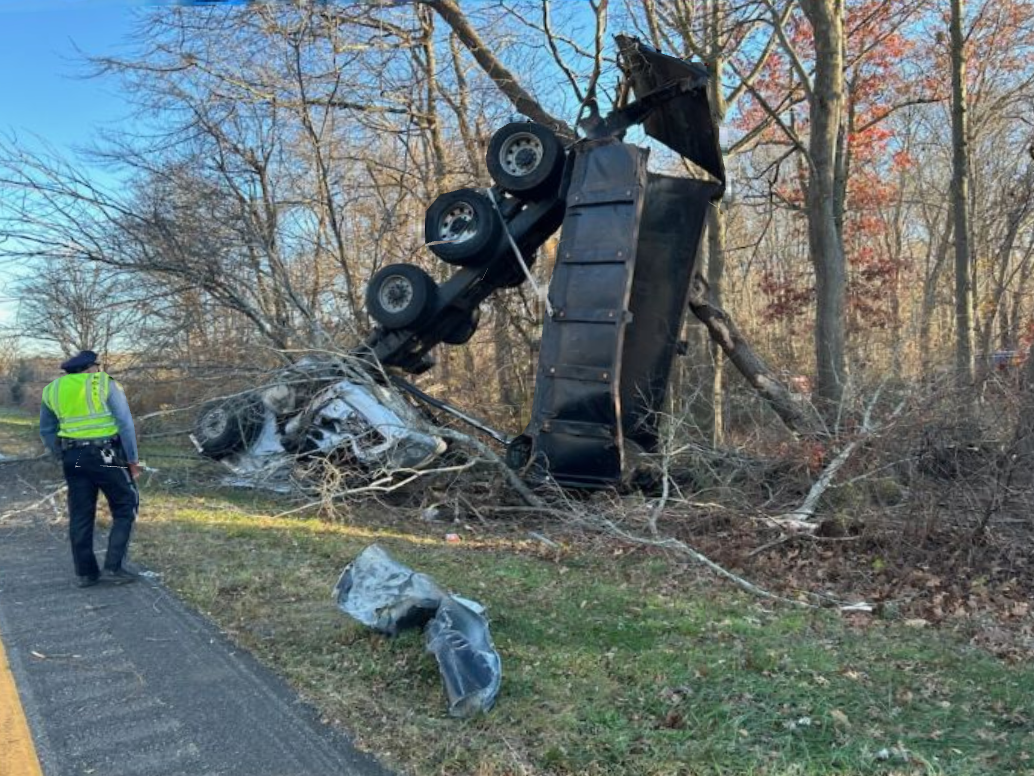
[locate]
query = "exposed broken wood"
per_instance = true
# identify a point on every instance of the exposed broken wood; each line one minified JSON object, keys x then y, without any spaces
{"x":799,"y":416}
{"x":802,"y":517}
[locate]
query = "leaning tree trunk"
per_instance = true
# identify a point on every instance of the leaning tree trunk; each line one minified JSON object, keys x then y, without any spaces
{"x":798,"y":416}
{"x":494,"y":68}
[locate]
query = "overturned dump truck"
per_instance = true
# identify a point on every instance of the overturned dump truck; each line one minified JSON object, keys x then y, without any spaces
{"x":618,"y":292}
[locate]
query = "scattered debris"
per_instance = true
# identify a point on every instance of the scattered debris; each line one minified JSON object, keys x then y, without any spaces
{"x":893,"y":753}
{"x":861,"y":606}
{"x":388,"y":597}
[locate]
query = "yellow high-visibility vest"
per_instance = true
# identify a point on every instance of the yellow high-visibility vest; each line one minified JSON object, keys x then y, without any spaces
{"x":80,"y":402}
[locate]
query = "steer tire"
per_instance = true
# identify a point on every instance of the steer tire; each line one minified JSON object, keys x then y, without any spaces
{"x":526,"y":159}
{"x":228,"y":425}
{"x":400,"y":295}
{"x":463,"y":228}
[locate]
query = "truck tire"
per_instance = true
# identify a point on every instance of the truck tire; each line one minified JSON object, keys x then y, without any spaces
{"x":525,"y":159}
{"x":461,"y":333}
{"x":463,"y":228}
{"x":400,"y":295}
{"x":225,"y":426}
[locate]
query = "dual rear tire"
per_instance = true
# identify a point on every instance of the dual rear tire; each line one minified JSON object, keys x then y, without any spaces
{"x":465,"y":228}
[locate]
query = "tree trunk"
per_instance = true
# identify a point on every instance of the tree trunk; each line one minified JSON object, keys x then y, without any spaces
{"x":506,"y":371}
{"x":824,"y":234}
{"x":926,"y":313}
{"x":798,"y":416}
{"x":960,"y":198}
{"x":716,"y":235}
{"x":715,"y":270}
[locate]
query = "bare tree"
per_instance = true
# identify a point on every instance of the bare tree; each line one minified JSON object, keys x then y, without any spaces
{"x":76,"y":306}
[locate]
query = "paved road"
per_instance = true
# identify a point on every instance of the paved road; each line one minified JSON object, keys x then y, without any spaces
{"x":126,"y":681}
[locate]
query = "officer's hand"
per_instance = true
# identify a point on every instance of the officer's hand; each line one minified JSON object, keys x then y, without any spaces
{"x":134,"y":470}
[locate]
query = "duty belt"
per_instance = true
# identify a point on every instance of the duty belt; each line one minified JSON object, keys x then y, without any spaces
{"x":67,"y":444}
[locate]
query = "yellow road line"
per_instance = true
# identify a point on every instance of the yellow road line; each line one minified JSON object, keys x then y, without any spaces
{"x":17,"y":752}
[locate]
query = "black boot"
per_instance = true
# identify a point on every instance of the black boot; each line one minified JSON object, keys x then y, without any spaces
{"x":119,"y":576}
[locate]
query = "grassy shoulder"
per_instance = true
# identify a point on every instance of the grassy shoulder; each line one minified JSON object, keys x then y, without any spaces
{"x":19,"y":437}
{"x":19,"y":433}
{"x":620,"y":664}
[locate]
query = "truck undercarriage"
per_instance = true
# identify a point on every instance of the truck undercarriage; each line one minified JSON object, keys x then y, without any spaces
{"x":616,"y":299}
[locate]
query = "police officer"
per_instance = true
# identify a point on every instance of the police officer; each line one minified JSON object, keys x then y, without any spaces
{"x":85,"y":421}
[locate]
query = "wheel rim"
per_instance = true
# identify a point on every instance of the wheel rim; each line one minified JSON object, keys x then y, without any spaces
{"x":395,"y":294}
{"x":213,"y":424}
{"x":458,"y":224}
{"x":521,"y":154}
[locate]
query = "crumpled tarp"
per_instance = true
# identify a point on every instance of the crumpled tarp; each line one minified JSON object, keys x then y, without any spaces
{"x":388,"y":596}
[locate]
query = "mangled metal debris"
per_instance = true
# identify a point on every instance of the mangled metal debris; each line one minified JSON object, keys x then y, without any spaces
{"x":388,"y":597}
{"x":318,"y":407}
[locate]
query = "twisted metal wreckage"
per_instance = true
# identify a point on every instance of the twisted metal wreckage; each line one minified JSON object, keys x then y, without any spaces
{"x":616,"y":302}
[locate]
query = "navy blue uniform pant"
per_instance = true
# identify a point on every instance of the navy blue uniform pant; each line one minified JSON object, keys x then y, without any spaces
{"x":89,"y":470}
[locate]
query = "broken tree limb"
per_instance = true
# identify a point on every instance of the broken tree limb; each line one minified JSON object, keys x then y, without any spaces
{"x":507,"y":83}
{"x":801,"y":518}
{"x":798,"y":416}
{"x":680,"y":547}
{"x":488,"y":454}
{"x":601,"y":524}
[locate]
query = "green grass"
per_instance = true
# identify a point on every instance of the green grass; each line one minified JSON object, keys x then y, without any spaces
{"x":625,"y":664}
{"x":19,"y":432}
{"x":19,"y":436}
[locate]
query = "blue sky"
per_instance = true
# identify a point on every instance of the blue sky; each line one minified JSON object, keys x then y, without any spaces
{"x":42,"y":91}
{"x":41,"y":86}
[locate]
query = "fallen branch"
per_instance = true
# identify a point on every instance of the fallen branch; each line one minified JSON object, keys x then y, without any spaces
{"x":487,"y":453}
{"x":602,"y":524}
{"x":34,"y":505}
{"x":679,"y":546}
{"x":797,"y":415}
{"x":24,"y":459}
{"x":801,"y":518}
{"x":384,"y":484}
